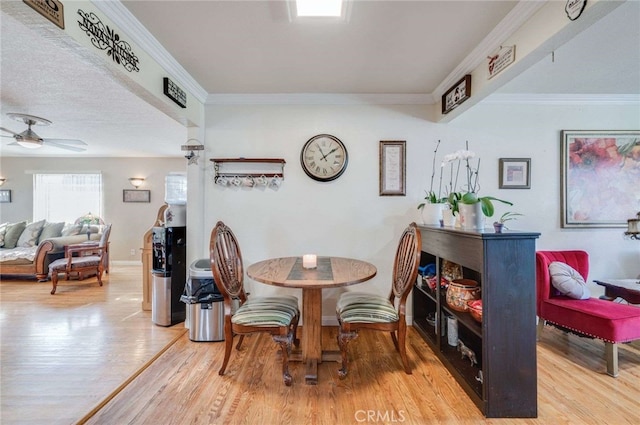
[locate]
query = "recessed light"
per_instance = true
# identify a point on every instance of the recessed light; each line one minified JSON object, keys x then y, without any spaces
{"x":318,"y":8}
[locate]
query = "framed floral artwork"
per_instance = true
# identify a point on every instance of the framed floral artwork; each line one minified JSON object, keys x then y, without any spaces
{"x":600,"y":172}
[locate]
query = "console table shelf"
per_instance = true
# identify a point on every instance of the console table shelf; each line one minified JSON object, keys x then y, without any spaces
{"x":503,"y":383}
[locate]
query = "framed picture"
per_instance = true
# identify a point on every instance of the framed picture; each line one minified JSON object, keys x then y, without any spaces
{"x":599,"y":172}
{"x":392,"y":168}
{"x":515,"y":173}
{"x":131,"y":195}
{"x":457,"y":94}
{"x":5,"y":195}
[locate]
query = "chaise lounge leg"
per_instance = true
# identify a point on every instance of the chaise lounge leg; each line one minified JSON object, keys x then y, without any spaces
{"x":611,"y":350}
{"x":539,"y":328}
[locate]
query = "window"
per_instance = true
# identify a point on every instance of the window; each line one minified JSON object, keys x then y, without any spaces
{"x":65,"y":197}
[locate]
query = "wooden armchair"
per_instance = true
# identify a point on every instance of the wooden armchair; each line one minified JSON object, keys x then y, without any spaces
{"x":359,"y":310}
{"x":277,"y":316}
{"x":82,"y":258}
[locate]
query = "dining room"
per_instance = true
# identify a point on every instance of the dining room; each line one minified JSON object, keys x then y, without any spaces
{"x":103,"y":360}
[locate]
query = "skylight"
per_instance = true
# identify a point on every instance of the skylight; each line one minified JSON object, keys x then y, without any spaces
{"x":305,"y":8}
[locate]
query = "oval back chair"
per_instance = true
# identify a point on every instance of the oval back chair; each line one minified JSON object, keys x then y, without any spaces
{"x":358,"y":310}
{"x":277,"y":316}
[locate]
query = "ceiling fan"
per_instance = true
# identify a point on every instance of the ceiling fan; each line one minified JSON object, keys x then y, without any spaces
{"x":29,"y":139}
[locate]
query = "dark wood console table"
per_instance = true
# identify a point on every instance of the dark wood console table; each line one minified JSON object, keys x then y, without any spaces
{"x":503,"y":382}
{"x":627,"y":289}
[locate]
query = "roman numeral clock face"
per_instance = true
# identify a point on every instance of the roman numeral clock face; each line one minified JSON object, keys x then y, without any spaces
{"x":324,"y":158}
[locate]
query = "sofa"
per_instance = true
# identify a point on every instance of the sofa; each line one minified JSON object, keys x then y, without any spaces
{"x":26,"y":249}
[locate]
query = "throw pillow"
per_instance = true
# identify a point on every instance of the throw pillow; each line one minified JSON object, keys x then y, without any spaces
{"x":3,"y":230}
{"x":14,"y":230}
{"x":72,"y":230}
{"x":568,"y":281}
{"x":30,"y":234}
{"x":51,"y":230}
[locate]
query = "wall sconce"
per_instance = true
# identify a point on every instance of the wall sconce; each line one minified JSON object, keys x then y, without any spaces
{"x":136,"y":181}
{"x":2,"y":180}
{"x":633,"y":228}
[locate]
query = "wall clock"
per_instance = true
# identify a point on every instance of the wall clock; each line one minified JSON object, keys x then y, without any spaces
{"x":324,"y":157}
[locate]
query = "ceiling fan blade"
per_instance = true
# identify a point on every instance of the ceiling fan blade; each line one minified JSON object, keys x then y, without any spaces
{"x":8,"y":131}
{"x":75,"y":142}
{"x":54,"y":142}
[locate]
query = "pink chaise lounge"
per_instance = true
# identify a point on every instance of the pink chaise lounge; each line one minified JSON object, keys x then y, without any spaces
{"x":611,"y":322}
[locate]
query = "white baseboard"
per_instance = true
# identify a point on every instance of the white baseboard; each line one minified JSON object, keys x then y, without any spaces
{"x":126,"y":263}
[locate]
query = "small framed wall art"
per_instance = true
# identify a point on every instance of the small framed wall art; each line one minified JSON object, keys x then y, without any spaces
{"x":457,"y":94}
{"x":392,"y":168}
{"x":5,"y":195}
{"x":131,"y":195}
{"x":515,"y":173}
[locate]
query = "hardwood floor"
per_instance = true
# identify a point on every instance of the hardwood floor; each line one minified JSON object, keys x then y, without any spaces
{"x":65,"y":355}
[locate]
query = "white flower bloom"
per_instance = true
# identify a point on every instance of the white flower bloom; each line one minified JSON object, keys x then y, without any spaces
{"x":464,"y":155}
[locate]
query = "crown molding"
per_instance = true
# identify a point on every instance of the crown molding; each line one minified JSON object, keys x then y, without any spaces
{"x":128,"y":24}
{"x":520,"y":14}
{"x":563,"y":99}
{"x":319,"y":99}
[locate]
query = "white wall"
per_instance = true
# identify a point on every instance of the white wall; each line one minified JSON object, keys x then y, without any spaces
{"x":347,"y":217}
{"x":130,"y":220}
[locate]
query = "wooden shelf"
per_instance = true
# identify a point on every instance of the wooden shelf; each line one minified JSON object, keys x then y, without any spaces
{"x":255,"y":160}
{"x":503,"y":383}
{"x":253,"y":168}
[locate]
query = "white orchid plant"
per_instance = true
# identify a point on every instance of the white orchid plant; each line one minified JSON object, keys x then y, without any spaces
{"x":472,"y":187}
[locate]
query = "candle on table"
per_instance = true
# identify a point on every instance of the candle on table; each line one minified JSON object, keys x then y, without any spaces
{"x":309,"y":261}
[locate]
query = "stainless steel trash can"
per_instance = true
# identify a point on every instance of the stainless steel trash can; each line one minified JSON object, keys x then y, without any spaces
{"x":207,"y":321}
{"x":205,"y":304}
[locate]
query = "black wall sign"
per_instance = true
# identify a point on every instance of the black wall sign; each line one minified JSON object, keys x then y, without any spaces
{"x":104,"y":38}
{"x":175,"y":93}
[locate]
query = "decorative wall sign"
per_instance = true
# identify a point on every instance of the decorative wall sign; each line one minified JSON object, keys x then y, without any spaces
{"x":104,"y":38}
{"x":574,"y":8}
{"x":457,"y":94}
{"x":5,"y":195}
{"x":392,"y":168}
{"x":130,"y":195}
{"x":53,"y":10}
{"x":174,"y":92}
{"x":599,"y":177}
{"x":505,"y":57}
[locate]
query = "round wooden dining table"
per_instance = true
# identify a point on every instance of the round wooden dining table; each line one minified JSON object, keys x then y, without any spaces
{"x":330,"y":272}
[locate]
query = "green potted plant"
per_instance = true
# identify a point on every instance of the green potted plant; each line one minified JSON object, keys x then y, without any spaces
{"x":433,"y":203}
{"x":499,"y":224}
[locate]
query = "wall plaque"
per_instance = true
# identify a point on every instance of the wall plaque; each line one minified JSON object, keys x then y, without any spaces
{"x":574,"y":8}
{"x":104,"y":38}
{"x":175,"y":93}
{"x":498,"y":62}
{"x":457,"y":94}
{"x":53,"y":10}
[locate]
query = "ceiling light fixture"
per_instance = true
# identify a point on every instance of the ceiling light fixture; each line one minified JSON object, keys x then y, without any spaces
{"x":29,"y":144}
{"x":319,"y":8}
{"x":136,"y":181}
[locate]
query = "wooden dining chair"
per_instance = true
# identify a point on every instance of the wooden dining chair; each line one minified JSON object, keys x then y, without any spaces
{"x":360,"y":310}
{"x":82,"y":258}
{"x":276,"y":315}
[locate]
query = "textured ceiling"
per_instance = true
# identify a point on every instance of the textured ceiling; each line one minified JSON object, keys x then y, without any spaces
{"x":251,"y":47}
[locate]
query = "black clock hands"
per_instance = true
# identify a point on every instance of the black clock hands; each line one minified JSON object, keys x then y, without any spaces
{"x":329,"y":153}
